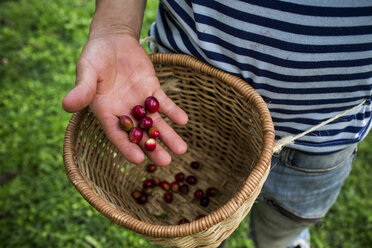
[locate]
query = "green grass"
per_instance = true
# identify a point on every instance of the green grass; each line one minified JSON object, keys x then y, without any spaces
{"x":40,"y":42}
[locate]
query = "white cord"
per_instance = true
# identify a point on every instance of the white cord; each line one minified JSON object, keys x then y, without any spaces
{"x":286,"y":140}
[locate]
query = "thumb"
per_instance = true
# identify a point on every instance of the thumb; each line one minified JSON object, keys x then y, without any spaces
{"x":85,"y":88}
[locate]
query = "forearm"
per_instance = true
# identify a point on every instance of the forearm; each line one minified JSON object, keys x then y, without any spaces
{"x":117,"y":17}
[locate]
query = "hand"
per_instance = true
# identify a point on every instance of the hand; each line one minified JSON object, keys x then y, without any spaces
{"x":114,"y":74}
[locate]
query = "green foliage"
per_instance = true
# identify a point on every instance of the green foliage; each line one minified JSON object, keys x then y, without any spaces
{"x":40,"y":42}
{"x":349,"y":222}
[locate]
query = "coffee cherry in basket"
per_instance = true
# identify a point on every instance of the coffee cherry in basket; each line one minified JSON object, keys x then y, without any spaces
{"x":136,"y":194}
{"x":165,"y":185}
{"x":180,"y":177}
{"x":212,"y":192}
{"x":168,"y":197}
{"x":150,"y":144}
{"x":142,"y":199}
{"x":195,"y":165}
{"x":148,"y":183}
{"x":151,"y":167}
{"x":175,"y":186}
{"x":183,"y":221}
{"x":152,"y":104}
{"x":198,"y":194}
{"x":191,"y":180}
{"x":200,"y":216}
{"x":204,"y":201}
{"x":135,"y":135}
{"x":138,"y":112}
{"x":145,"y":123}
{"x":148,"y":191}
{"x":156,"y":181}
{"x":153,"y":133}
{"x":126,"y":123}
{"x":184,"y":189}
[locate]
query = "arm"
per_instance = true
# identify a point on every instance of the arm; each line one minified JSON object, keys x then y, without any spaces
{"x":118,"y":17}
{"x":114,"y":73}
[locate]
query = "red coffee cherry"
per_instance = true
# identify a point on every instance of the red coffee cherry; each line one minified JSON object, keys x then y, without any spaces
{"x":191,"y":180}
{"x":150,"y":144}
{"x":145,"y":123}
{"x":151,"y":167}
{"x":204,"y":201}
{"x":195,"y":165}
{"x":153,"y":133}
{"x":180,"y":177}
{"x":138,"y":112}
{"x":126,"y":123}
{"x":198,"y":194}
{"x":165,"y":185}
{"x":200,"y":216}
{"x":184,"y":189}
{"x":142,"y":199}
{"x":175,"y":186}
{"x":212,"y":192}
{"x":152,"y":104}
{"x":148,"y":183}
{"x":168,"y":197}
{"x":135,"y":135}
{"x":183,"y":221}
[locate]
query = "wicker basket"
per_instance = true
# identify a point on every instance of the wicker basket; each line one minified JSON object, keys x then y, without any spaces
{"x":230,"y":132}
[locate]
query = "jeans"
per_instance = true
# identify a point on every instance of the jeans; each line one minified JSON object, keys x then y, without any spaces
{"x":299,"y":191}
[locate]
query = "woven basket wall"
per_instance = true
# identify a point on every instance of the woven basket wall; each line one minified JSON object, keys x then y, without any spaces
{"x":230,"y":132}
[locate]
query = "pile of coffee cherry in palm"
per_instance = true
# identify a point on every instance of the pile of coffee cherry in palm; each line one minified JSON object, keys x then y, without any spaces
{"x":144,"y":123}
{"x":180,"y":185}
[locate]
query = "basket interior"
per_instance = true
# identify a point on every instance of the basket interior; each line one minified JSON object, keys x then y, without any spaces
{"x":223,"y":134}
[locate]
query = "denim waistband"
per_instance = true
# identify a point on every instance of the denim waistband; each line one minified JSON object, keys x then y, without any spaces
{"x":311,"y":163}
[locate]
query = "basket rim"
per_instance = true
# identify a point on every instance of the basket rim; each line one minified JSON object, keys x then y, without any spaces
{"x":223,"y":212}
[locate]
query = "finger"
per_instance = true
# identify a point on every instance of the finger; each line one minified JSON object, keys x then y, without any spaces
{"x":85,"y":89}
{"x":169,"y":137}
{"x":170,"y":109}
{"x":159,"y":156}
{"x":119,"y":138}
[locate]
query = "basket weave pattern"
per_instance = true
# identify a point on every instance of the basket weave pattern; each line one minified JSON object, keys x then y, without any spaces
{"x":229,"y":132}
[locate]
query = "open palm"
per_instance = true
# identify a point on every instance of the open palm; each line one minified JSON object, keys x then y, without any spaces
{"x":113,"y":75}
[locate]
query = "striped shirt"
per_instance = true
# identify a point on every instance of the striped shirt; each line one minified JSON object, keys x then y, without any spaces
{"x":309,"y":60}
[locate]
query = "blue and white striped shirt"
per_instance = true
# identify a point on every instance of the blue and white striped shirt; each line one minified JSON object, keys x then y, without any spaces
{"x":309,"y":60}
